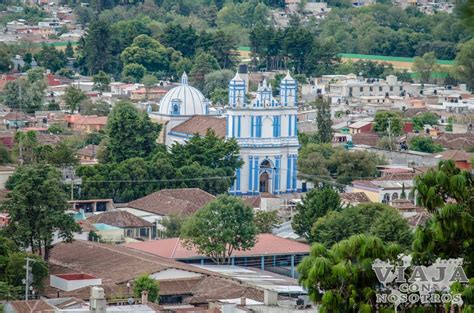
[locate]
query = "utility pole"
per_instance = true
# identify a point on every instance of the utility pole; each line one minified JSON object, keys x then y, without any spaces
{"x":29,"y":277}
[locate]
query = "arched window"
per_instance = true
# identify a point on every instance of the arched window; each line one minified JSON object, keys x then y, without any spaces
{"x":394,"y":196}
{"x":386,"y":198}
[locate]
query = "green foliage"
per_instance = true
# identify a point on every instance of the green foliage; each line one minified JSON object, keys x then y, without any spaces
{"x":265,"y":221}
{"x":316,"y":204}
{"x":130,"y":133}
{"x":56,"y":129}
{"x":424,"y":144}
{"x":172,"y":226}
{"x":148,"y":52}
{"x":96,"y":48}
{"x":387,"y":143}
{"x":341,"y":278}
{"x":73,"y":97}
{"x":323,"y":163}
{"x":133,"y":73}
{"x":146,"y":283}
{"x":69,"y":52}
{"x":323,"y":120}
{"x":94,"y":138}
{"x":37,"y":205}
{"x":425,"y":66}
{"x":219,"y":228}
{"x":374,"y":219}
{"x":66,"y":72}
{"x":217,"y":80}
{"x":51,"y":58}
{"x":204,"y":63}
{"x":99,"y":107}
{"x":388,"y":122}
{"x":62,"y":156}
{"x":35,"y":75}
{"x":22,"y":93}
{"x":5,"y":157}
{"x":101,"y":81}
{"x":5,"y":63}
{"x":464,"y":64}
{"x":427,"y":118}
{"x":446,"y":193}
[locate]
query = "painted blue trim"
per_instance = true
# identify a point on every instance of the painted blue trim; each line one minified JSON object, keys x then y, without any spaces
{"x":237,"y":180}
{"x":259,"y":127}
{"x":294,"y":172}
{"x":239,"y":120}
{"x":289,"y":125}
{"x":233,"y":126}
{"x":252,"y":125}
{"x":250,"y":173}
{"x":288,"y":173}
{"x":202,"y":261}
{"x":277,"y":175}
{"x":262,"y":263}
{"x":296,"y":125}
{"x":256,"y":186}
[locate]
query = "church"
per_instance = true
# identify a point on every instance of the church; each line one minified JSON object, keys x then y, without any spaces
{"x":265,"y":127}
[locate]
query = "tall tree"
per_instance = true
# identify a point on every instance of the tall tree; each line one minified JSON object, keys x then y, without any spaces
{"x":37,"y":205}
{"x":265,"y":221}
{"x":51,"y":58}
{"x":97,"y":47}
{"x":316,"y":204}
{"x":446,"y":192}
{"x":341,"y":278}
{"x":464,"y":64}
{"x":372,"y":218}
{"x":221,"y":227}
{"x":323,"y":120}
{"x":130,"y":133}
{"x":5,"y":62}
{"x":73,"y":97}
{"x":204,"y":63}
{"x":388,"y":123}
{"x":101,"y":81}
{"x":425,"y":66}
{"x":69,"y":52}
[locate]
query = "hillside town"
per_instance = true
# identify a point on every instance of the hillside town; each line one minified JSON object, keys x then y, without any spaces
{"x":236,"y":156}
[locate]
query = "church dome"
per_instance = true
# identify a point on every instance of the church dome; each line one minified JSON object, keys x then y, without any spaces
{"x":183,"y":100}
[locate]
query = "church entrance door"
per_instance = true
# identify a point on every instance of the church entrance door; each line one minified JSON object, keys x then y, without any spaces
{"x":264,"y":182}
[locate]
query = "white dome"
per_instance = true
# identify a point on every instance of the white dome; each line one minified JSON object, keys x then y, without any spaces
{"x":185,"y":99}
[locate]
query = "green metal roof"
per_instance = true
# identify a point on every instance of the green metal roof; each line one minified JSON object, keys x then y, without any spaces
{"x":244,"y":49}
{"x":387,"y":58}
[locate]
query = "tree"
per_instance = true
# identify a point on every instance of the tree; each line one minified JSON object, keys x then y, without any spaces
{"x":101,"y":81}
{"x":341,"y":278}
{"x":51,"y":58}
{"x":217,"y":80}
{"x":425,"y":66}
{"x":130,"y":133}
{"x":73,"y":97}
{"x":204,"y":63}
{"x":427,"y":118}
{"x":5,"y":157}
{"x":265,"y":221}
{"x":69,"y":52}
{"x":424,"y":144}
{"x":387,"y":143}
{"x":316,"y":204}
{"x":464,"y":66}
{"x":371,"y":219}
{"x":99,"y":107}
{"x":133,"y":72}
{"x":23,"y":94}
{"x":149,"y":81}
{"x":349,"y":165}
{"x":219,"y":228}
{"x":97,"y":47}
{"x":35,"y":75}
{"x":37,"y":205}
{"x":148,"y":52}
{"x":5,"y":63}
{"x":146,"y":283}
{"x":323,"y":120}
{"x":62,"y":156}
{"x":446,"y":193}
{"x":172,"y":226}
{"x":388,"y":123}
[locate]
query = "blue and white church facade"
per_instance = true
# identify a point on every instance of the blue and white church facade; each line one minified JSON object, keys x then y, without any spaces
{"x":267,"y":132}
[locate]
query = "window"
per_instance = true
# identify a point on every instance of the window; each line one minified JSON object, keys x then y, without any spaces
{"x":276,"y":126}
{"x":175,"y":108}
{"x":391,"y":88}
{"x":401,"y":88}
{"x":380,"y":88}
{"x":371,"y":88}
{"x":361,"y":89}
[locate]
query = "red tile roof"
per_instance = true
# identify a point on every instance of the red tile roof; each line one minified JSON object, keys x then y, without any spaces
{"x":455,"y":155}
{"x":183,"y":201}
{"x":354,"y":197}
{"x":267,"y":244}
{"x":200,"y":124}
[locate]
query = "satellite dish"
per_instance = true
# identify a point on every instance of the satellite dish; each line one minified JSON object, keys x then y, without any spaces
{"x":130,"y":301}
